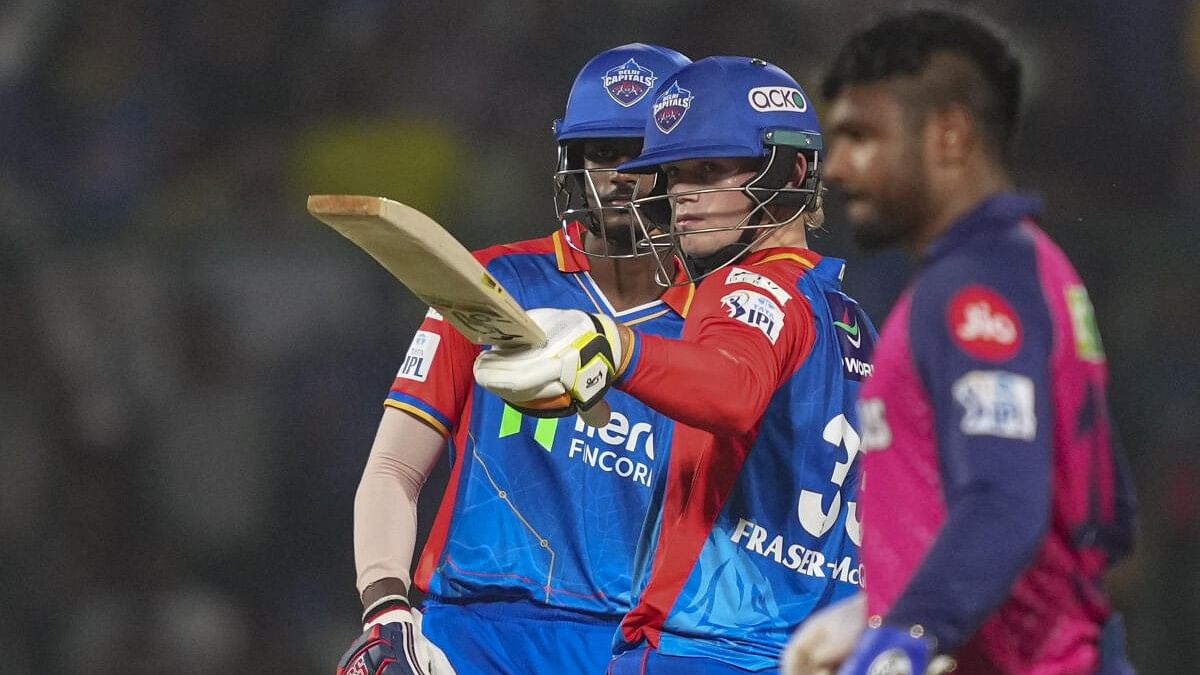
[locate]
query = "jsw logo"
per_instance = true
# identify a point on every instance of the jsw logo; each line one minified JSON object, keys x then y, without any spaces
{"x":983,"y":324}
{"x":862,"y":368}
{"x":620,"y":433}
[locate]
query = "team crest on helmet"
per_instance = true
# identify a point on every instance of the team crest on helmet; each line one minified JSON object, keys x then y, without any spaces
{"x":670,"y":107}
{"x":628,"y":83}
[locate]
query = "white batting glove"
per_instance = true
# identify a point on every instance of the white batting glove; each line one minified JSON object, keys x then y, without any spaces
{"x":826,"y":638}
{"x":581,"y":359}
{"x":392,"y":644}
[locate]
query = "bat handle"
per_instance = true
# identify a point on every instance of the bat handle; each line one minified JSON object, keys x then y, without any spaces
{"x":596,"y":416}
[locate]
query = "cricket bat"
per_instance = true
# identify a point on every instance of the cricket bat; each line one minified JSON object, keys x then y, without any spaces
{"x":438,"y":270}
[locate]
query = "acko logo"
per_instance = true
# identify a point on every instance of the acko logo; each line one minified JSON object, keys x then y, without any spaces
{"x":777,"y":99}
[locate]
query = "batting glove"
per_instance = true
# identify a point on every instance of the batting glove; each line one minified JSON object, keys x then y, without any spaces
{"x":583,"y":356}
{"x":392,"y":644}
{"x":826,"y":638}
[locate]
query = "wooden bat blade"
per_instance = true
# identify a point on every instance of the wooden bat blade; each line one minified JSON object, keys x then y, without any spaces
{"x":432,"y":264}
{"x":427,"y":259}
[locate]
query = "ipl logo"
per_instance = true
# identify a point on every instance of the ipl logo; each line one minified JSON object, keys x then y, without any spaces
{"x":670,"y":107}
{"x":628,"y":83}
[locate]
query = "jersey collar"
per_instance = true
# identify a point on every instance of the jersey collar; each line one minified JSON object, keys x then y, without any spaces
{"x":999,"y":210}
{"x":678,"y":297}
{"x":807,"y":258}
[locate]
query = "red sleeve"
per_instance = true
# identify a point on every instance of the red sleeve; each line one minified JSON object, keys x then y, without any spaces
{"x":740,"y":342}
{"x":435,"y":378}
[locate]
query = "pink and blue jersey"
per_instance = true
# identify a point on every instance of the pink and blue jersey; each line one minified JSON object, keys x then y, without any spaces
{"x":994,"y":495}
{"x":754,"y":525}
{"x":543,"y":510}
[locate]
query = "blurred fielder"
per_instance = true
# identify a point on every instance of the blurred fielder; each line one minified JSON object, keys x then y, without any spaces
{"x":994,"y":494}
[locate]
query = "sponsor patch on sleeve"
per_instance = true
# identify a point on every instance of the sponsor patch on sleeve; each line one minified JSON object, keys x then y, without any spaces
{"x":1083,"y":325}
{"x":420,"y":356}
{"x":738,"y":275}
{"x":997,"y":403}
{"x":983,"y":324}
{"x":757,"y":310}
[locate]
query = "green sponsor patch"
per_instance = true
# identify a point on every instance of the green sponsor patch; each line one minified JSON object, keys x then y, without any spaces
{"x":543,"y":429}
{"x":1083,"y":325}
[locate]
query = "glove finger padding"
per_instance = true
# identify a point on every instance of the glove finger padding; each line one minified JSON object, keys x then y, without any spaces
{"x":582,"y":357}
{"x":519,"y":375}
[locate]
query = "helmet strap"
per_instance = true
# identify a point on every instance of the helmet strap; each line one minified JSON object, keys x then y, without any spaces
{"x":702,"y":266}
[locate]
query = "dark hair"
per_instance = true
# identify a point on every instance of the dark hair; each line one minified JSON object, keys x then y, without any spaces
{"x":904,"y":45}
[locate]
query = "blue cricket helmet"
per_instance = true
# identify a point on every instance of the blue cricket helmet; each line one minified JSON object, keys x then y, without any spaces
{"x":609,"y":100}
{"x":611,"y":95}
{"x":725,"y":106}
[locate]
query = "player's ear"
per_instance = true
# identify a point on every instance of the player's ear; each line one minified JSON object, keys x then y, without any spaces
{"x":953,"y":134}
{"x":799,"y":170}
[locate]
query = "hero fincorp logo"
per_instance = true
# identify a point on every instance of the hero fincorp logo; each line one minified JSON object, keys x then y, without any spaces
{"x":670,"y":107}
{"x":628,"y":83}
{"x":777,"y":99}
{"x":621,"y":447}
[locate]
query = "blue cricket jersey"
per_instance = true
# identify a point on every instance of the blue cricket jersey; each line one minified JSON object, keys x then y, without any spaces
{"x":754,"y":526}
{"x":546,"y":510}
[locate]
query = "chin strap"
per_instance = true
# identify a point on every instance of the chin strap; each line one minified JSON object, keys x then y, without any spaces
{"x":702,"y":266}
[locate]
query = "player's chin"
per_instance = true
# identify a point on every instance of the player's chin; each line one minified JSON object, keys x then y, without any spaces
{"x":618,"y":234}
{"x":872,"y":235}
{"x":700,"y":245}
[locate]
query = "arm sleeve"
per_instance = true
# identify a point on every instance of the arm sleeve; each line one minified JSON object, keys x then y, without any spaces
{"x":385,"y":507}
{"x":982,"y":342}
{"x":425,"y":403}
{"x":738,"y":346}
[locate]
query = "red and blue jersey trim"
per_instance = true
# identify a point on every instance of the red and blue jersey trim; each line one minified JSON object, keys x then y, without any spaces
{"x":420,"y":410}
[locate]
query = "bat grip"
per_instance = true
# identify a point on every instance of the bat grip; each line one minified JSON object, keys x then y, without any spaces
{"x":597,"y":415}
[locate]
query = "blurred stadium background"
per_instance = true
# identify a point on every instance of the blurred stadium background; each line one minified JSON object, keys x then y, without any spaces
{"x":193,"y":368}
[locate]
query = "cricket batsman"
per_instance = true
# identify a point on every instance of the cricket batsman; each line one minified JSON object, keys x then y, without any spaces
{"x":527,"y":569}
{"x":754,"y":524}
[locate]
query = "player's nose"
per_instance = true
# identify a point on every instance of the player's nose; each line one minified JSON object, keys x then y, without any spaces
{"x":833,"y":169}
